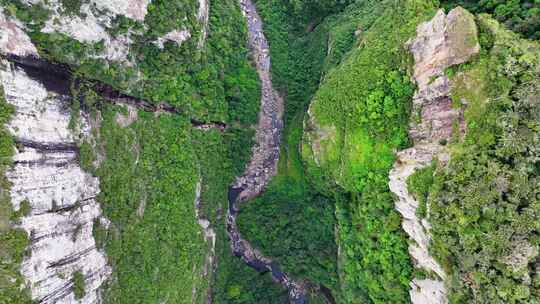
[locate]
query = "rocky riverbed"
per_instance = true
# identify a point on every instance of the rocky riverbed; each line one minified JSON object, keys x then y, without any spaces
{"x":263,"y":164}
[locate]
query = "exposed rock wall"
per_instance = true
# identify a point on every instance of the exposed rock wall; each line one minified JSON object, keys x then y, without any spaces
{"x":46,"y":174}
{"x":202,"y":15}
{"x":174,"y":36}
{"x":444,"y":41}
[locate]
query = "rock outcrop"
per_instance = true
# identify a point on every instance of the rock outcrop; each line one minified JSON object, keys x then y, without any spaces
{"x":92,"y":22}
{"x":444,"y":41}
{"x":209,"y":238}
{"x":441,"y":43}
{"x":202,"y":15}
{"x":174,"y":36}
{"x":13,"y":39}
{"x":46,"y":176}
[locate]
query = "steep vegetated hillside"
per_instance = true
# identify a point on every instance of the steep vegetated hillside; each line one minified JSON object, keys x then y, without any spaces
{"x":483,"y":203}
{"x":357,"y":119}
{"x":148,"y":159}
{"x":408,"y":168}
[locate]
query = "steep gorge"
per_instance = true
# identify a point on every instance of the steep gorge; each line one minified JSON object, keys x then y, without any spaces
{"x":154,"y":152}
{"x":263,"y":164}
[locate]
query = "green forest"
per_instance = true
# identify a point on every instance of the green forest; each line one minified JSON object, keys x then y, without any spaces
{"x":328,"y":217}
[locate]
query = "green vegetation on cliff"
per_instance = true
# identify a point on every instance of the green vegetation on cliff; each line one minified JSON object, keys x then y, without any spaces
{"x":13,"y":241}
{"x":189,"y":77}
{"x":522,"y":16}
{"x":357,"y":119}
{"x":328,"y":217}
{"x":148,"y":192}
{"x":419,"y":184}
{"x":291,"y":222}
{"x":234,"y":282}
{"x":484,"y":204}
{"x":78,"y":285}
{"x":149,"y":163}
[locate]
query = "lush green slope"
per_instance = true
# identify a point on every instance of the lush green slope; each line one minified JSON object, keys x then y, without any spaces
{"x":148,"y":170}
{"x":368,"y":82}
{"x":292,"y":222}
{"x":234,"y":282}
{"x":188,"y":77}
{"x":484,"y":203}
{"x":148,"y":190}
{"x":358,"y":118}
{"x":328,"y":217}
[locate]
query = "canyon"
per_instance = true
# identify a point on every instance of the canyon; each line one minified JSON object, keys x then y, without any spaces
{"x":248,"y":151}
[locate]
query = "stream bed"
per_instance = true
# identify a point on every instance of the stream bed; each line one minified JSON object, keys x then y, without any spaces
{"x":263,"y":163}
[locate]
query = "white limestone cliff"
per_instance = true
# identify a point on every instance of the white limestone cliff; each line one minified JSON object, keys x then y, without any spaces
{"x":174,"y":36}
{"x":209,"y":238}
{"x":62,"y":197}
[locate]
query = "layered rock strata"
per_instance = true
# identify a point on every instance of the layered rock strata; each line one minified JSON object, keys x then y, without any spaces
{"x":444,"y":41}
{"x":59,"y":78}
{"x":46,"y":176}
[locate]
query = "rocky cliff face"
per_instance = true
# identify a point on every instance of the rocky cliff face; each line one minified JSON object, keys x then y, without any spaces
{"x":444,"y":41}
{"x":109,"y":29}
{"x":47,"y":178}
{"x":46,"y":175}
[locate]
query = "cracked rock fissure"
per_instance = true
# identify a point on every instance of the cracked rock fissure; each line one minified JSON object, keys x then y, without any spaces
{"x":59,"y":78}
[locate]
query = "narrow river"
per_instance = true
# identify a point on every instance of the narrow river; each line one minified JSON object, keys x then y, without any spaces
{"x":263,"y":164}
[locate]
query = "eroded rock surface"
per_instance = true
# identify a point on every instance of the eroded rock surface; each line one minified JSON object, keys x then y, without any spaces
{"x":13,"y":39}
{"x":444,"y":41}
{"x":47,"y":176}
{"x":174,"y":36}
{"x":210,"y":239}
{"x":440,"y":43}
{"x":202,"y":15}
